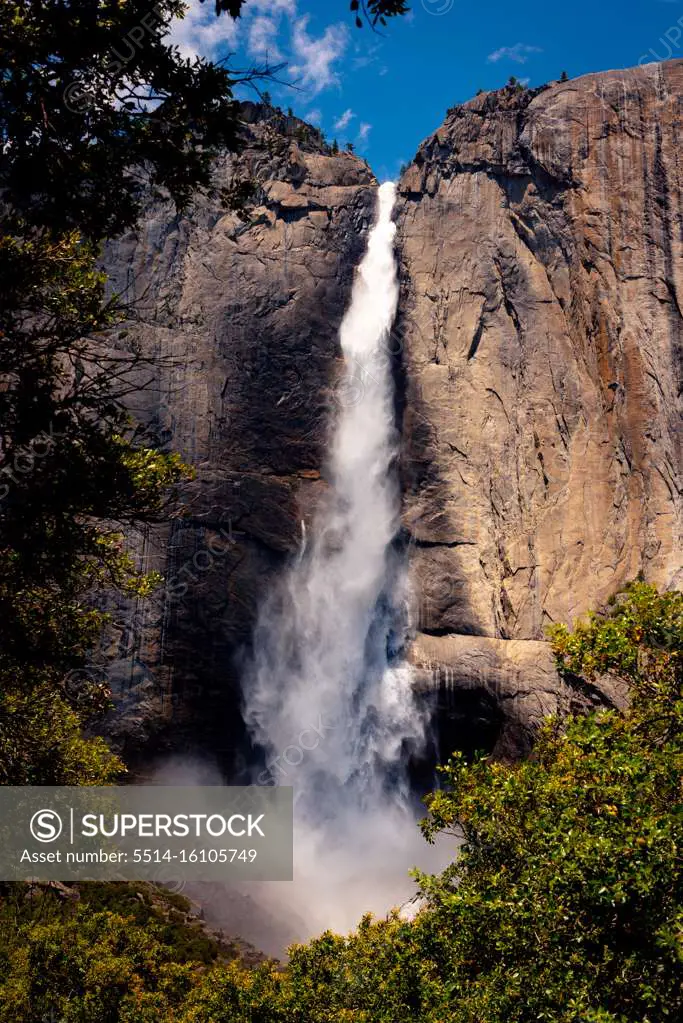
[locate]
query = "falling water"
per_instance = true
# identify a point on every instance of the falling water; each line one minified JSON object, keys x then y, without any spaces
{"x":327,"y":696}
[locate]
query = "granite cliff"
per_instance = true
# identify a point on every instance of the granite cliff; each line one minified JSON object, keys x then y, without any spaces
{"x":537,"y":356}
{"x":542,"y":254}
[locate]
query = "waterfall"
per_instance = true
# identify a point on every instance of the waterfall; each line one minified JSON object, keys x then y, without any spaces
{"x":326,"y":695}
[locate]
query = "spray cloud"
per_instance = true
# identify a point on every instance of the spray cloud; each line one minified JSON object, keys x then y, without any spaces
{"x":327,"y":644}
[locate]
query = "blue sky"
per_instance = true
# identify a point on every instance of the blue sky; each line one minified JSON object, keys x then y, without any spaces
{"x":386,"y":93}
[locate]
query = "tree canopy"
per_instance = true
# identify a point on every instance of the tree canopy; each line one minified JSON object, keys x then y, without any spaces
{"x":374,"y":11}
{"x":73,"y":473}
{"x":96,"y":107}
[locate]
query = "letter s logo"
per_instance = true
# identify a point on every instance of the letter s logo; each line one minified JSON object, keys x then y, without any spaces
{"x":46,"y":825}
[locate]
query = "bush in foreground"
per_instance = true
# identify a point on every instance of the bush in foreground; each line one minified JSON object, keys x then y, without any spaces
{"x":564,"y":904}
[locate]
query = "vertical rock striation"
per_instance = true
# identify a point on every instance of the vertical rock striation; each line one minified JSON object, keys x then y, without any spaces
{"x":541,"y":239}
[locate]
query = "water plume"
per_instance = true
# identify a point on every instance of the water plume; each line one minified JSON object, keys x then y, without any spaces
{"x":327,"y":696}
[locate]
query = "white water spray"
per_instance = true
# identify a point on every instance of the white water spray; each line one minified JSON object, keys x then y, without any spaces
{"x":326,"y":695}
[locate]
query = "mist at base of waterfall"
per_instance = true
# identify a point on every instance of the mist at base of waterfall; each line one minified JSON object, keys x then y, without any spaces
{"x":358,"y":863}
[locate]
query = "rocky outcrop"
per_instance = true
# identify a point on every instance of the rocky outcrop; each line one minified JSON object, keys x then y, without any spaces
{"x":541,"y":242}
{"x":236,"y":320}
{"x":538,"y":370}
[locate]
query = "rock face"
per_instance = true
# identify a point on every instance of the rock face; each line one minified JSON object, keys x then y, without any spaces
{"x":540,"y":242}
{"x":236,"y":322}
{"x":541,"y":238}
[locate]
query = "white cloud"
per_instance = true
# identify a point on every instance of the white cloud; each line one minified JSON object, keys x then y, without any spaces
{"x":363,"y":132}
{"x":271,"y":7}
{"x":314,"y":116}
{"x":519,"y":53}
{"x":314,"y":59}
{"x":342,"y":123}
{"x":263,"y":38}
{"x":368,"y":58}
{"x":201,"y":34}
{"x":260,"y":31}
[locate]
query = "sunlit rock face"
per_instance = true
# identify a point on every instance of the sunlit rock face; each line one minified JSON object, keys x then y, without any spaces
{"x":542,"y":289}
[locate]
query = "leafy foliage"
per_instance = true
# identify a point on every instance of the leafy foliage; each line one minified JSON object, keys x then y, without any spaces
{"x":96,"y":107}
{"x":95,"y":967}
{"x":373,"y":10}
{"x":515,"y":84}
{"x":68,"y":466}
{"x":89,"y":91}
{"x":565,"y":901}
{"x":377,"y":11}
{"x":639,"y":642}
{"x":120,"y":951}
{"x":563,"y":904}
